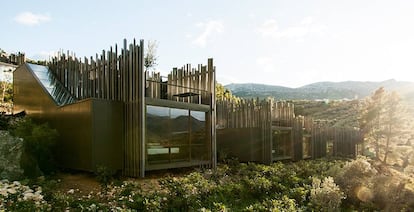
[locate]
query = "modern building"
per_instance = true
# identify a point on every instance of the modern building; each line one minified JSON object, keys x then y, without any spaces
{"x":110,"y":112}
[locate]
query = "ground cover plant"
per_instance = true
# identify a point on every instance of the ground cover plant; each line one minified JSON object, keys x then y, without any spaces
{"x":314,"y":185}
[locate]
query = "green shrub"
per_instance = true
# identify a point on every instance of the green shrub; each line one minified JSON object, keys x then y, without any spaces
{"x":325,"y":195}
{"x":38,"y":141}
{"x":4,"y":122}
{"x":283,"y":204}
{"x":354,"y":175}
{"x":390,"y":193}
{"x":104,"y":175}
{"x":302,"y":186}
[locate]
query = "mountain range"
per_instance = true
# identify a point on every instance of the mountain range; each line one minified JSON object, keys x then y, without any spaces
{"x":322,"y":90}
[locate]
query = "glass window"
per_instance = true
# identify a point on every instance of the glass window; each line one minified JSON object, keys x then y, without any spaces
{"x":282,"y":145}
{"x":175,"y":135}
{"x":50,"y":84}
{"x":179,"y":134}
{"x":199,"y":144}
{"x":157,"y":136}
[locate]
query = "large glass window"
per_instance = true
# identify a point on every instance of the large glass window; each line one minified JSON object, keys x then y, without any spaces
{"x":282,"y":145}
{"x":157,"y":135}
{"x":49,"y":82}
{"x":175,"y":135}
{"x":179,"y":134}
{"x":199,"y":144}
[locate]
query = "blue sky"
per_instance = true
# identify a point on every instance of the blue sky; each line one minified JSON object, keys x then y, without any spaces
{"x":289,"y":43}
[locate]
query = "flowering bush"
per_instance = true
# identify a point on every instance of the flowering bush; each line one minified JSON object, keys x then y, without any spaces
{"x":17,"y":197}
{"x":303,"y":186}
{"x":354,"y":175}
{"x":283,"y":204}
{"x":325,"y":195}
{"x":11,"y":150}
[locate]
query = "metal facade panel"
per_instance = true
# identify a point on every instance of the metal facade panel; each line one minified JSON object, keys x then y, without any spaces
{"x":74,"y":124}
{"x":107,"y":135}
{"x":242,"y":143}
{"x":30,"y":96}
{"x":90,"y":131}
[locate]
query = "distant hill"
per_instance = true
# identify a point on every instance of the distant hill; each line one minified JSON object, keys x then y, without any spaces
{"x":322,"y":90}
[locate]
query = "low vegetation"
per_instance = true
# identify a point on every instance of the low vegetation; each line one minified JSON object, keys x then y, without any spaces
{"x":314,"y":185}
{"x":337,"y":113}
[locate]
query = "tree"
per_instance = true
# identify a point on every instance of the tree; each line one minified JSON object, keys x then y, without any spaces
{"x":150,"y":58}
{"x":393,"y":122}
{"x":7,"y":94}
{"x":370,"y":119}
{"x":381,"y":120}
{"x":223,"y":93}
{"x":7,"y":86}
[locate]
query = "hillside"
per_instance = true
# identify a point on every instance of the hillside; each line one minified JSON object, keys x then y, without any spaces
{"x":322,"y":90}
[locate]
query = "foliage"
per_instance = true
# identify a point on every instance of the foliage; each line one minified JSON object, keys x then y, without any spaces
{"x":150,"y":58}
{"x":223,"y":93}
{"x":4,"y":122}
{"x":337,"y":113}
{"x":15,"y":196}
{"x":302,"y":186}
{"x":104,"y":175}
{"x":354,"y":176}
{"x":283,"y":204}
{"x":391,"y":194}
{"x":381,"y":121}
{"x":38,"y":141}
{"x":7,"y":91}
{"x":325,"y":195}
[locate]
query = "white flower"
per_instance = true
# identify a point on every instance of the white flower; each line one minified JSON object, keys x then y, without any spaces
{"x":28,"y":190}
{"x":28,"y":196}
{"x":4,"y":193}
{"x":11,"y":190}
{"x":71,"y":191}
{"x":92,"y":207}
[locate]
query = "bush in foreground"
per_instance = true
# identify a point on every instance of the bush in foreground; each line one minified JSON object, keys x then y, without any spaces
{"x":303,"y":186}
{"x":38,"y":141}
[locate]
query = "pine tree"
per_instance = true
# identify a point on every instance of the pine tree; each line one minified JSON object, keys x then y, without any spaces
{"x":381,"y":121}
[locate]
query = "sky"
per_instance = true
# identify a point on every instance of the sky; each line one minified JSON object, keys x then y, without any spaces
{"x":276,"y":42}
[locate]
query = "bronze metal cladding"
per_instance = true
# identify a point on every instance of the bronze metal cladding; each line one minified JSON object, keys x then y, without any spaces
{"x":87,"y":138}
{"x":98,"y":105}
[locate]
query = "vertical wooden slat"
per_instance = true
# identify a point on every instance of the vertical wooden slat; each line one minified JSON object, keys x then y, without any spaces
{"x":142,"y":109}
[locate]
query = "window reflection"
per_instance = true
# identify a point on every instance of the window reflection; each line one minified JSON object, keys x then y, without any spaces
{"x":175,"y":135}
{"x":199,"y":143}
{"x":56,"y":90}
{"x":157,"y":134}
{"x":282,"y":145}
{"x":179,"y":134}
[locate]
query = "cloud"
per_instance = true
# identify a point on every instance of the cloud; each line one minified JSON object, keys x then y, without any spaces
{"x":209,"y":30}
{"x":307,"y":21}
{"x":31,"y":19}
{"x":269,"y":28}
{"x":306,"y":27}
{"x":266,"y":64}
